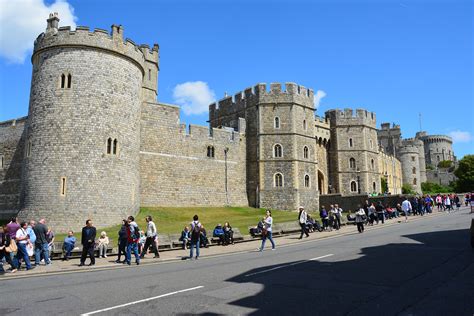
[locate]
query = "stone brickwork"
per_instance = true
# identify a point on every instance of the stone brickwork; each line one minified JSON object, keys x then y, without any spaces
{"x":353,"y":153}
{"x":437,"y":148}
{"x":322,"y":134}
{"x":391,"y":170}
{"x":12,"y":136}
{"x":409,"y":156}
{"x":175,"y":169}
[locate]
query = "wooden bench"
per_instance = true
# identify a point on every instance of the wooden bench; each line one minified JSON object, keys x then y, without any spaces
{"x":164,"y":242}
{"x":58,"y":253}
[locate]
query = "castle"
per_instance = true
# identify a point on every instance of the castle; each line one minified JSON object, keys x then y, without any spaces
{"x":97,"y":144}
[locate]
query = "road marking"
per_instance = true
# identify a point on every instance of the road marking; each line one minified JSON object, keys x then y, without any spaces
{"x":141,"y":301}
{"x":288,"y":265}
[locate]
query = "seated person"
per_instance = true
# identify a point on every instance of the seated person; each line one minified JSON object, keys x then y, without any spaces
{"x":257,"y":229}
{"x":102,"y":245}
{"x":203,"y":241}
{"x":185,"y":237}
{"x":219,"y":233}
{"x":228,"y":234}
{"x":389,"y":212}
{"x":69,"y":244}
{"x":309,"y":223}
{"x":351,"y":217}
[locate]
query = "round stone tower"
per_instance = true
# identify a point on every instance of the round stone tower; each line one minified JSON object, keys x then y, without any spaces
{"x":409,"y":156}
{"x":437,"y":148}
{"x":353,"y":154}
{"x":83,"y":136}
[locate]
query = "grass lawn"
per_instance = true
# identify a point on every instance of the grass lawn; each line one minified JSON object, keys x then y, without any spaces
{"x":173,"y":219}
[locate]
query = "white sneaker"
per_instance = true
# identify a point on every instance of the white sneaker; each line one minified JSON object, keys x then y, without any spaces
{"x":105,"y":256}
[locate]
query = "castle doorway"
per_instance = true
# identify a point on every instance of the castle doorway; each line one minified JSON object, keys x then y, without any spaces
{"x":321,"y":183}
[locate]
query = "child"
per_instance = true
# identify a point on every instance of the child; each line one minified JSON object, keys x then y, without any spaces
{"x":141,"y":241}
{"x":102,"y":244}
{"x":69,"y":244}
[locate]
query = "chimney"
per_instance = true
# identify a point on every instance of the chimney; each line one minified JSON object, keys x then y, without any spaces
{"x":53,"y":23}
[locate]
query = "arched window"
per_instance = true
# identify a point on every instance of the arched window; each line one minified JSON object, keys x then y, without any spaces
{"x":413,"y":170}
{"x":277,"y":122}
{"x":210,"y":151}
{"x":277,"y":151}
{"x":372,"y":164}
{"x":352,"y":163}
{"x":278,"y":180}
{"x":69,"y":81}
{"x":304,"y":124}
{"x":414,"y":181}
{"x":350,"y":142}
{"x":306,"y":181}
{"x":371,"y":144}
{"x":109,"y":146}
{"x":63,"y":81}
{"x":374,"y":187}
{"x":353,"y":186}
{"x":115,"y":147}
{"x":305,"y":152}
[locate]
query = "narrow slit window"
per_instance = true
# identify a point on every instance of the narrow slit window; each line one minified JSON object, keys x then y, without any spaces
{"x":63,"y":81}
{"x":350,"y":142}
{"x":306,"y":181}
{"x":353,"y":186}
{"x":69,"y":81}
{"x":109,"y":146}
{"x":63,"y":186}
{"x":305,"y":152}
{"x":115,"y":147}
{"x":277,"y":151}
{"x":277,"y":122}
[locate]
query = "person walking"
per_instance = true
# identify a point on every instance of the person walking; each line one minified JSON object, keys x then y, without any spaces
{"x":5,"y":249}
{"x":122,"y":242}
{"x":151,"y":235}
{"x":360,"y":219}
{"x":324,"y":217}
{"x":23,"y":240}
{"x":41,"y":243}
{"x":195,"y":236}
{"x":302,"y":217}
{"x":267,"y":232}
{"x":406,"y":208}
{"x":338,"y":215}
{"x":12,"y":227}
{"x":380,"y":212}
{"x":133,"y":237}
{"x":88,"y":241}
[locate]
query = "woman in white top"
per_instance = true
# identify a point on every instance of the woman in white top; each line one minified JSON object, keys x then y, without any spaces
{"x":360,"y":219}
{"x":23,"y":240}
{"x":267,"y":231}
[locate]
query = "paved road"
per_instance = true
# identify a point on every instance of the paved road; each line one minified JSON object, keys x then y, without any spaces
{"x":424,"y":267}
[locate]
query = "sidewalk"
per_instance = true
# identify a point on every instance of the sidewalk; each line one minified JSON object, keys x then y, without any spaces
{"x":59,"y":266}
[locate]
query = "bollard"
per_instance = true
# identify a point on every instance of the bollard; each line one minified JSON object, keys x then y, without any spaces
{"x":472,"y":233}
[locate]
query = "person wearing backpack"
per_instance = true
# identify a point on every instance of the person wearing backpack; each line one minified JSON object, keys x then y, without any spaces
{"x":302,"y":217}
{"x":133,"y":236}
{"x":195,"y":236}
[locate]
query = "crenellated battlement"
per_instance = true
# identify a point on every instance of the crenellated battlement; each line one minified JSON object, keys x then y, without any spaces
{"x":437,"y":139}
{"x":82,"y":36}
{"x":14,"y":122}
{"x":347,"y":116}
{"x":322,"y":122}
{"x":263,"y":94}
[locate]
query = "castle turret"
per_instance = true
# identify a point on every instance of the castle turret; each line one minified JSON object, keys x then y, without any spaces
{"x":409,"y":156}
{"x":353,"y":154}
{"x":83,"y":136}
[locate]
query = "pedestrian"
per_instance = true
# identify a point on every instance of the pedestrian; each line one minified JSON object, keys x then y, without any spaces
{"x":122,"y":242}
{"x":267,"y":231}
{"x":372,"y":215}
{"x":133,"y":237}
{"x":103,"y":244}
{"x":23,"y":241}
{"x":41,"y":244}
{"x":302,"y":217}
{"x":88,"y":242}
{"x":151,"y":236}
{"x":447,"y":203}
{"x":13,"y":226}
{"x":338,"y":215}
{"x":185,"y":237}
{"x":50,"y":236}
{"x":360,"y":219}
{"x":68,"y":245}
{"x":195,"y":236}
{"x":6,"y":251}
{"x":324,"y":217}
{"x":406,"y":208}
{"x":31,"y":232}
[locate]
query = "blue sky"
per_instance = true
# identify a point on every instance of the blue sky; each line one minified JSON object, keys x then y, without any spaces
{"x":396,"y":58}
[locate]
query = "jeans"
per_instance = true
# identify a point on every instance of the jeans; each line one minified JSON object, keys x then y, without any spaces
{"x":68,"y":249}
{"x":133,"y":246}
{"x":23,"y":254}
{"x":42,"y":249}
{"x":194,"y":244}
{"x":269,"y":236}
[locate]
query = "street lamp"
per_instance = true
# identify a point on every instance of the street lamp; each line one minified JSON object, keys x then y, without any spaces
{"x":226,"y":150}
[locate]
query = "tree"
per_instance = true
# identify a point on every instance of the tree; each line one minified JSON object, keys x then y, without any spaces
{"x":431,"y":187}
{"x":445,"y":164}
{"x":383,"y":181}
{"x":407,"y":189}
{"x":465,"y":174}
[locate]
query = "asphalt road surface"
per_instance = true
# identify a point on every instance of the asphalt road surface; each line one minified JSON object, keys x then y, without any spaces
{"x":424,"y":267}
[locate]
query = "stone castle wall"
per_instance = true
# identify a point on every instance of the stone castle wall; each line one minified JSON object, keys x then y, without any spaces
{"x":322,"y":134}
{"x":175,"y":169}
{"x":409,"y":156}
{"x":12,"y":139}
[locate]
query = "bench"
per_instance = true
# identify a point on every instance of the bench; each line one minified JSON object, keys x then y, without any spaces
{"x":164,"y":242}
{"x":290,"y":227}
{"x":58,"y":253}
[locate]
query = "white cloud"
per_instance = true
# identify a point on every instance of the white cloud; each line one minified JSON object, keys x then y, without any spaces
{"x":318,"y":96}
{"x":194,"y":97}
{"x":21,"y":21}
{"x":460,"y":136}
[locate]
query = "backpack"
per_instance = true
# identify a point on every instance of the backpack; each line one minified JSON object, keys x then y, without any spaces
{"x":196,"y":230}
{"x":136,"y":233}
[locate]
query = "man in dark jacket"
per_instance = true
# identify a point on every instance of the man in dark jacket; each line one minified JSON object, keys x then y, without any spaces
{"x":88,"y":242}
{"x":41,"y":242}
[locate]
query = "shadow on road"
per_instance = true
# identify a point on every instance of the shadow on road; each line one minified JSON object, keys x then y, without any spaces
{"x":427,"y":274}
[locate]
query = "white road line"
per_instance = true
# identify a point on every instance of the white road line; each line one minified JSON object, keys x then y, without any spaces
{"x":141,"y":301}
{"x":288,"y":265}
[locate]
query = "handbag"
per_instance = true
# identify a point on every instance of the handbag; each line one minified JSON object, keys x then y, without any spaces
{"x":12,"y":247}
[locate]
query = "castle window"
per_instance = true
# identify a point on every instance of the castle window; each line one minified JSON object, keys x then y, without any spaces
{"x":69,"y":81}
{"x":352,"y":163}
{"x":305,"y":152}
{"x":28,"y":149}
{"x":350,"y":142}
{"x":372,"y":164}
{"x":353,"y":186}
{"x":278,"y":180}
{"x":149,"y":74}
{"x":115,"y":147}
{"x":412,"y":158}
{"x":414,"y":181}
{"x":306,"y":181}
{"x":374,"y":187}
{"x":109,"y":146}
{"x":304,"y":124}
{"x":277,"y":122}
{"x":413,"y":170}
{"x":2,"y":161}
{"x":277,"y":151}
{"x":210,"y":151}
{"x":63,"y":81}
{"x":437,"y":158}
{"x":63,"y":186}
{"x":371,"y":144}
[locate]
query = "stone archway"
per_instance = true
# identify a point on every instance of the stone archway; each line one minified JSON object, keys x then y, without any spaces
{"x":321,"y":183}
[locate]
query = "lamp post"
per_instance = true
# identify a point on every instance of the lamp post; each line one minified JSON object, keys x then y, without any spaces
{"x":226,"y":150}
